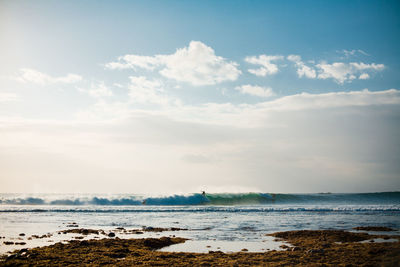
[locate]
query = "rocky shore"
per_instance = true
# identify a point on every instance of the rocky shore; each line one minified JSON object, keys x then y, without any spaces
{"x":305,"y":248}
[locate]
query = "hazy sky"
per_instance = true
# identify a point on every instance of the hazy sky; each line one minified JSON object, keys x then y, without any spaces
{"x":182,"y":96}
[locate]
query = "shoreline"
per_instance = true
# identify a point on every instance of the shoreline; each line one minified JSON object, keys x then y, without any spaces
{"x":303,"y":247}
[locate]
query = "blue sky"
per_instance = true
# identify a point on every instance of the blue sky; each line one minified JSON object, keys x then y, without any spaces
{"x":279,"y":92}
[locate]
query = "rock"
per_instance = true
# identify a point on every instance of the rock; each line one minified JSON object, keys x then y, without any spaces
{"x":177,"y":229}
{"x":296,"y":249}
{"x":375,"y":251}
{"x":21,"y":234}
{"x":155,"y":243}
{"x":80,"y":231}
{"x":244,"y":249}
{"x":323,"y":235}
{"x":46,"y":235}
{"x":313,"y":251}
{"x":111,"y":234}
{"x":8,"y":243}
{"x":326,"y":245}
{"x":374,"y":228}
{"x":118,"y":253}
{"x":83,"y":243}
{"x":10,"y":257}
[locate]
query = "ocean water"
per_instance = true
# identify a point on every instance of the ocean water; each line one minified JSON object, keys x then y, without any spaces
{"x":222,"y":220}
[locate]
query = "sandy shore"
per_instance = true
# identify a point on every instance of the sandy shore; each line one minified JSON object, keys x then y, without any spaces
{"x":305,"y":248}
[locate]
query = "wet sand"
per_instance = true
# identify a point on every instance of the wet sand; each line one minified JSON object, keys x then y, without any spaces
{"x":305,"y":248}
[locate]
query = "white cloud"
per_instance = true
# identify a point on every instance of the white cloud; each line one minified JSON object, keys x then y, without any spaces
{"x":98,"y":90}
{"x":267,"y":67}
{"x":294,"y":58}
{"x":134,"y":62}
{"x":340,"y":72}
{"x":255,"y":90}
{"x":353,"y":52}
{"x":363,"y":66}
{"x":34,"y":76}
{"x":305,"y":101}
{"x":249,"y":115}
{"x":364,"y":76}
{"x":346,"y":72}
{"x":253,"y":115}
{"x":8,"y":97}
{"x":196,"y":64}
{"x":306,"y":71}
{"x":302,"y":69}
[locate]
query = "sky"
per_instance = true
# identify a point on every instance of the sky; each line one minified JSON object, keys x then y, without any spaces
{"x":182,"y":96}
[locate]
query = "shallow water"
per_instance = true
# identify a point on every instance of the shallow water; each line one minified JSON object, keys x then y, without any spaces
{"x":204,"y":246}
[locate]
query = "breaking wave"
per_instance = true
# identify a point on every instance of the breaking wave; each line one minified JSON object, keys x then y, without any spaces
{"x":395,"y":209}
{"x":213,"y":199}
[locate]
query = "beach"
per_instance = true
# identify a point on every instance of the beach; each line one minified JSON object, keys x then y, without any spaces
{"x":304,"y":248}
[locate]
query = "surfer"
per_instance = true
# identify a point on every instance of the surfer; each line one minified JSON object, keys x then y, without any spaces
{"x":203,"y":193}
{"x":144,"y":202}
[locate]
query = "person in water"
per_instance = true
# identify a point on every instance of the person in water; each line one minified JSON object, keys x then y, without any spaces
{"x":203,"y":193}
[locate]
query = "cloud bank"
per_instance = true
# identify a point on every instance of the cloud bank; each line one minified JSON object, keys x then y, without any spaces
{"x":299,"y":143}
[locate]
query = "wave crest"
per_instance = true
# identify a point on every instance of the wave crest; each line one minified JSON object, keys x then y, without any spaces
{"x":207,"y":199}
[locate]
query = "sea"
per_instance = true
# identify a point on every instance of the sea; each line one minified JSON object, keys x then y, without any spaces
{"x":211,"y":221}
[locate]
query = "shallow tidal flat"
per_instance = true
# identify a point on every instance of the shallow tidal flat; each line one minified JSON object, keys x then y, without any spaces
{"x":304,"y":248}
